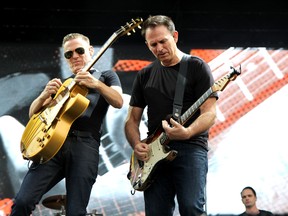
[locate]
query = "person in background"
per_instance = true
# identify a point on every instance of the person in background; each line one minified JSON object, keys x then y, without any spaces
{"x":249,"y":199}
{"x":154,"y":88}
{"x":78,"y":158}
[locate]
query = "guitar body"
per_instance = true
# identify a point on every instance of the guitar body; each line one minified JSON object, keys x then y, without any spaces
{"x":41,"y":140}
{"x":142,"y":173}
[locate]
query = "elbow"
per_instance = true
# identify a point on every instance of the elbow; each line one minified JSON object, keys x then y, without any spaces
{"x":213,"y":122}
{"x":119,"y":103}
{"x":30,"y":115}
{"x":213,"y":119}
{"x":118,"y":106}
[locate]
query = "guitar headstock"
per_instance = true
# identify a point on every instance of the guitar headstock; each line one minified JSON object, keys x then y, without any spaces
{"x":130,"y":26}
{"x":221,"y":84}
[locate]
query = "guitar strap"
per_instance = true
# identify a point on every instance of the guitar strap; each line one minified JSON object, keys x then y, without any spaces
{"x":97,"y":75}
{"x":180,"y":87}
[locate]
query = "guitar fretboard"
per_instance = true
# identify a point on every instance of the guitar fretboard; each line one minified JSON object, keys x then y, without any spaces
{"x":190,"y":112}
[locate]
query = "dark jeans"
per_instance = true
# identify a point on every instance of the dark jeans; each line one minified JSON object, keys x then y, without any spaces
{"x":77,"y":161}
{"x":183,"y":178}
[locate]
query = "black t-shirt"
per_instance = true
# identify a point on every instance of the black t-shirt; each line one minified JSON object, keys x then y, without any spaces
{"x":155,"y":87}
{"x":91,"y":120}
{"x":261,"y":213}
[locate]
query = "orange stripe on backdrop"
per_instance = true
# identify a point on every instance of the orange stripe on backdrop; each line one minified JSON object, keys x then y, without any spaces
{"x":136,"y":65}
{"x":206,"y":54}
{"x":130,"y":65}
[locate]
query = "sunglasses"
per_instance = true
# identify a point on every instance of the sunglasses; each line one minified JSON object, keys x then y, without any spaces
{"x":79,"y":50}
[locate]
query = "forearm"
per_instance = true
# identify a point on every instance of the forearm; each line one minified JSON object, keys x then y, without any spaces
{"x":205,"y":120}
{"x":132,"y":134}
{"x":201,"y":124}
{"x":132,"y":124}
{"x":45,"y":97}
{"x":37,"y":104}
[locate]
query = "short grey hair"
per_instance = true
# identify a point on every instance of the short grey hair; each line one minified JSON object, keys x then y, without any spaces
{"x":71,"y":36}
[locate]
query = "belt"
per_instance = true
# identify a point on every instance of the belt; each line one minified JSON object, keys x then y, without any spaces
{"x":81,"y":133}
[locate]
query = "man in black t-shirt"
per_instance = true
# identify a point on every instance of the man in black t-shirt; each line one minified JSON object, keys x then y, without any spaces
{"x":154,"y":89}
{"x":77,"y":159}
{"x":249,"y":198}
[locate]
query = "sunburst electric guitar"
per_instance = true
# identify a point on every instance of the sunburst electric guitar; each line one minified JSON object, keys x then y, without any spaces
{"x":47,"y":130}
{"x":142,"y":173}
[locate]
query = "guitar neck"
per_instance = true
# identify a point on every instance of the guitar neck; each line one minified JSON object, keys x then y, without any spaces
{"x":120,"y":32}
{"x":190,"y":112}
{"x":220,"y":85}
{"x":95,"y":58}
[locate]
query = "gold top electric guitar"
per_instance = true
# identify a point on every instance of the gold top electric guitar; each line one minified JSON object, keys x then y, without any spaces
{"x":47,"y":130}
{"x":142,"y":173}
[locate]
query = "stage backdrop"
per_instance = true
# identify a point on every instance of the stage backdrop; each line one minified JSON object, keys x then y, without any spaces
{"x":248,"y":143}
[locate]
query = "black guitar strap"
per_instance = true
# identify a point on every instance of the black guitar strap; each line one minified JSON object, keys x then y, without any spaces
{"x":97,"y":75}
{"x":180,"y":87}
